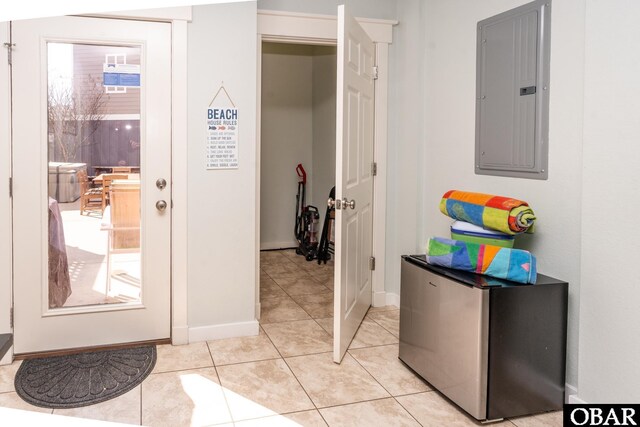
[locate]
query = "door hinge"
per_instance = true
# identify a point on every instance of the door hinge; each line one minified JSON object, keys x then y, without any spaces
{"x":372,"y":263}
{"x":374,"y":72}
{"x":10,"y":187}
{"x":374,"y":169}
{"x":9,"y":47}
{"x":11,"y":317}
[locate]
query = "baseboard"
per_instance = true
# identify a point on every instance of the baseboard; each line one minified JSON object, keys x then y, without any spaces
{"x":180,"y":335}
{"x":393,"y":299}
{"x":267,"y":246}
{"x":227,"y":330}
{"x":379,"y":299}
{"x":571,"y":394}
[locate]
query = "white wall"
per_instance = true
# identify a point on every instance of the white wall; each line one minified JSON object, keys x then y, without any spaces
{"x":5,"y":172}
{"x":406,"y":120}
{"x":286,"y":138}
{"x":381,"y":9}
{"x":448,"y":158}
{"x":222,"y":215}
{"x":610,"y":290}
{"x":324,"y":126}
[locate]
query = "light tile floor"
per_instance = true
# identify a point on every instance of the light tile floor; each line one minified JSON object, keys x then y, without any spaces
{"x":285,"y":376}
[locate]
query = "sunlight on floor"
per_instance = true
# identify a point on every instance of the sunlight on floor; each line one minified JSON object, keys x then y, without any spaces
{"x":209,"y":402}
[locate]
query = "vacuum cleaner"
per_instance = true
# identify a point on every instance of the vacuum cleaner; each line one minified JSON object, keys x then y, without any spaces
{"x":307,"y":218}
{"x":327,"y":245}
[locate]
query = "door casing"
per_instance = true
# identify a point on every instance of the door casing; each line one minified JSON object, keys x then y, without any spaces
{"x":178,"y":17}
{"x":284,"y":27}
{"x":38,"y":327}
{"x":6,"y":251}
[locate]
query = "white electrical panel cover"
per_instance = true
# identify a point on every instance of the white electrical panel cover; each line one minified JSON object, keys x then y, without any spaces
{"x":512,"y":93}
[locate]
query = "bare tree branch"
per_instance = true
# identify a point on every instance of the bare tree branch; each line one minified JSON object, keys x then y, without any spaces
{"x":75,"y":112}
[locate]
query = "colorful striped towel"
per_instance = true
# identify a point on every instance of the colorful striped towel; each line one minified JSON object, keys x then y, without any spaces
{"x":510,"y":216}
{"x":503,"y":263}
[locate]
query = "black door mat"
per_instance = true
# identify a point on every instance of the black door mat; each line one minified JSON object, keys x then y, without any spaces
{"x":83,"y":379}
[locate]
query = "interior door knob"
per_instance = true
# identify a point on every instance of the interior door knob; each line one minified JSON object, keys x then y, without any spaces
{"x":348,"y":204}
{"x":334,"y":203}
{"x":161,"y":205}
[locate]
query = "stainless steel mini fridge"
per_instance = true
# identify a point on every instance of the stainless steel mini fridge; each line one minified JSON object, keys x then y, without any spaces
{"x":493,"y":347}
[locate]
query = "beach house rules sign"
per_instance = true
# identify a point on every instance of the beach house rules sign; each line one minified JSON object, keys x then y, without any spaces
{"x":222,"y":137}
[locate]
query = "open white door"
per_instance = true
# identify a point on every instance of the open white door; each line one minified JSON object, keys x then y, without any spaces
{"x":92,"y":174}
{"x":354,"y":180}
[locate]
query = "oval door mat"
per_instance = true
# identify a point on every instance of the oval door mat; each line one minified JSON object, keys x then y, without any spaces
{"x":83,"y":379}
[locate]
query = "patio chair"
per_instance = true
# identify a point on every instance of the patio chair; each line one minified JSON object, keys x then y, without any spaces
{"x":122,"y":221}
{"x":90,"y":198}
{"x":106,"y":185}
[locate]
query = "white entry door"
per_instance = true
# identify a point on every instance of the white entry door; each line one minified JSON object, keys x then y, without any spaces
{"x":91,"y":136}
{"x":354,"y":180}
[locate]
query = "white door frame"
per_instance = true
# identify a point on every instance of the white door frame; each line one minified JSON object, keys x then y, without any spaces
{"x":6,"y":229}
{"x":178,"y":17}
{"x":302,"y":28}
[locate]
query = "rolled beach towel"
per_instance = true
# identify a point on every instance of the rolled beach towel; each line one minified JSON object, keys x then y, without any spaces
{"x":510,"y":264}
{"x":511,"y":216}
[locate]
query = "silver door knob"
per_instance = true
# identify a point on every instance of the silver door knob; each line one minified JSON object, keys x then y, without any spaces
{"x":348,"y":204}
{"x":334,"y":203}
{"x":161,"y":205}
{"x":161,"y":183}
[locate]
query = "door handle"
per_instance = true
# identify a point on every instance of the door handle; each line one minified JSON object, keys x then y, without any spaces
{"x":334,"y":203}
{"x":161,"y":205}
{"x":348,"y":204}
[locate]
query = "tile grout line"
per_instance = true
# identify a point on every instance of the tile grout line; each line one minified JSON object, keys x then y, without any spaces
{"x":356,"y":403}
{"x":316,"y":320}
{"x":382,"y":326}
{"x":293,"y":373}
{"x":402,"y":406}
{"x":224,"y":395}
{"x":305,"y":311}
{"x":385,"y":389}
{"x":372,"y":346}
{"x":326,"y":291}
{"x":305,"y":392}
{"x":393,"y":396}
{"x":359,"y":364}
{"x":181,"y":370}
{"x":246,"y":361}
{"x":307,"y":354}
{"x":367,"y":371}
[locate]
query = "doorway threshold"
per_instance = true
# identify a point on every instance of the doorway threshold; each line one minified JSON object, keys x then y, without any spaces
{"x":6,"y":341}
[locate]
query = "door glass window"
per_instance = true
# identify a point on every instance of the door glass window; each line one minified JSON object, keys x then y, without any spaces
{"x":94,"y":143}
